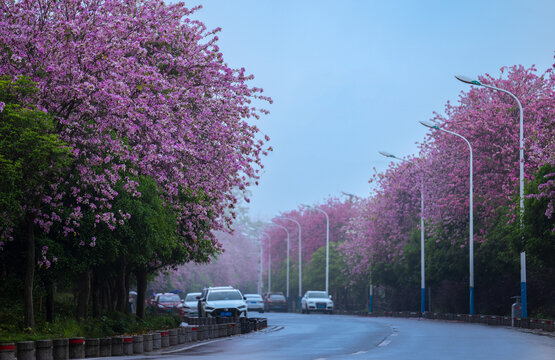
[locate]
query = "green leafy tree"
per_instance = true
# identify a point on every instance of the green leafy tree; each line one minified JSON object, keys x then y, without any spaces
{"x":31,"y":156}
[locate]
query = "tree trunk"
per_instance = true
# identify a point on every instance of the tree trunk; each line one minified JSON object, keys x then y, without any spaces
{"x":127,"y":280}
{"x":29,"y":315}
{"x":49,"y":306}
{"x":122,"y":297}
{"x":84,"y":284}
{"x":141,"y":292}
{"x":96,"y":295}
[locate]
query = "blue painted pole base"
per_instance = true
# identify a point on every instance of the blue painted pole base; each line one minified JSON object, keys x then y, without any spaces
{"x":523,"y":311}
{"x":422,"y":300}
{"x":471,"y":301}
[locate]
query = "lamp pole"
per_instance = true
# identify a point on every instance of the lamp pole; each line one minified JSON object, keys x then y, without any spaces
{"x":269,"y":267}
{"x":327,"y":244}
{"x":287,"y":272}
{"x":471,"y":229}
{"x":470,"y":81}
{"x":422,"y":267}
{"x":260,"y":270}
{"x":300,"y":258}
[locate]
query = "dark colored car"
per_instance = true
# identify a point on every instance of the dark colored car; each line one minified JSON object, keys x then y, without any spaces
{"x":168,"y":303}
{"x":275,"y":302}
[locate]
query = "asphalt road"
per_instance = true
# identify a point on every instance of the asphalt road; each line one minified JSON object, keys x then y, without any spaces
{"x":318,"y":336}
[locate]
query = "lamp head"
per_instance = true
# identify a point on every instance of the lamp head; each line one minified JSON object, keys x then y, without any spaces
{"x":429,"y":124}
{"x":467,"y":80}
{"x":386,"y":154}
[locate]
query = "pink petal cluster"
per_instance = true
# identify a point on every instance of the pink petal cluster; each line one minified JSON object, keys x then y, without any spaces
{"x":137,"y":88}
{"x":490,"y":121}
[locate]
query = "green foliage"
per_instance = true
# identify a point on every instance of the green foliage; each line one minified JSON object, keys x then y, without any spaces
{"x":30,"y":153}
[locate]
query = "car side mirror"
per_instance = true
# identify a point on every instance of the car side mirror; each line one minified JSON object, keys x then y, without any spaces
{"x":244,"y":298}
{"x":330,"y":296}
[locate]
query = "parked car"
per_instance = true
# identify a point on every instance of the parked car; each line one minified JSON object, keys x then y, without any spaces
{"x":275,"y":302}
{"x":190,"y":305}
{"x":168,"y":303}
{"x":222,"y":301}
{"x":316,"y":301}
{"x":254,"y":302}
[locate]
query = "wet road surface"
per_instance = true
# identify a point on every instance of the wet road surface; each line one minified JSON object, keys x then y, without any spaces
{"x":319,"y":336}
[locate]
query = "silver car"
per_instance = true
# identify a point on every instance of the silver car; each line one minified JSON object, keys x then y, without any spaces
{"x":191,"y":303}
{"x":255,"y":302}
{"x":316,"y":301}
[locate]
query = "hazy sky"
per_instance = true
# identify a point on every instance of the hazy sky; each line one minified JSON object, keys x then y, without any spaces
{"x":349,"y":78}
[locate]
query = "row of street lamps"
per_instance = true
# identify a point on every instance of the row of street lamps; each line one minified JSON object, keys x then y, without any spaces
{"x":471,"y":215}
{"x":422,"y":230}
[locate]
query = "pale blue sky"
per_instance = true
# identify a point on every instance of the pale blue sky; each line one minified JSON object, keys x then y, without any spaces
{"x":349,"y":78}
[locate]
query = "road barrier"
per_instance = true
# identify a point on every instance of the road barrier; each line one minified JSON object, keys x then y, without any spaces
{"x":197,"y":329}
{"x":92,"y":348}
{"x":7,"y":351}
{"x":128,"y":345}
{"x":117,"y":346}
{"x":105,"y":347}
{"x":138,"y":346}
{"x":60,"y":349}
{"x":493,"y":320}
{"x":43,"y":350}
{"x":147,"y":342}
{"x":76,"y":348}
{"x":156,"y":341}
{"x":25,"y":350}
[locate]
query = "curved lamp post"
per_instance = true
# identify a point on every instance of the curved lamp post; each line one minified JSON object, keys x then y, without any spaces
{"x":422,"y":267}
{"x":287,"y":277}
{"x":327,"y":243}
{"x":300,"y":258}
{"x":471,"y":81}
{"x":471,"y":232}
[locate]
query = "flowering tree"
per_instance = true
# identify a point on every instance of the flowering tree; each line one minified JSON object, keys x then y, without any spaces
{"x":236,"y":266}
{"x":137,"y":88}
{"x":380,"y":232}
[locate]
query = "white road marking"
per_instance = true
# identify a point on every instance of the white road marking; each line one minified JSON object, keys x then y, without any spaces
{"x":384,"y":343}
{"x":394,"y":334}
{"x":359,"y":352}
{"x":191,"y":346}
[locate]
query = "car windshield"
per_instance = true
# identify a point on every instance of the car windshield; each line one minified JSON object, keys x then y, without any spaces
{"x":224,"y":295}
{"x":191,"y":297}
{"x":169,"y":298}
{"x":318,"y":295}
{"x":277,"y":297}
{"x":254,"y":297}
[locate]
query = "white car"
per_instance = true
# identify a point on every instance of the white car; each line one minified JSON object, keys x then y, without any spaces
{"x":191,"y":303}
{"x":222,"y":301}
{"x":255,"y":302}
{"x":316,"y":301}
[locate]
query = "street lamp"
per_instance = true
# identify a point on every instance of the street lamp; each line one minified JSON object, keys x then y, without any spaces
{"x":300,"y":258}
{"x":287,"y":277}
{"x":422,"y":267}
{"x":470,"y":81}
{"x":471,"y":233}
{"x":269,"y":265}
{"x":327,"y":243}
